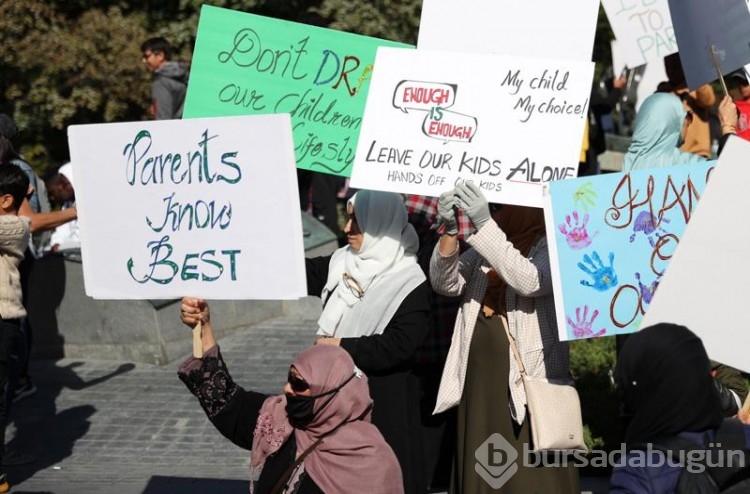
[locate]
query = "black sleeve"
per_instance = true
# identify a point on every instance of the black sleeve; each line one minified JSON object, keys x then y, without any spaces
{"x":233,"y":411}
{"x":395,"y":348}
{"x":317,"y":274}
{"x":722,"y":142}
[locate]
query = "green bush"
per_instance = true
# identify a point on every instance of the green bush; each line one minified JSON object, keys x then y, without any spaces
{"x":591,"y":361}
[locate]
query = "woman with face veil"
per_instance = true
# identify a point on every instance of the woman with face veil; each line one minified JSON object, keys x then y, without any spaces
{"x":315,"y":437}
{"x":505,"y":282}
{"x":376,"y":304}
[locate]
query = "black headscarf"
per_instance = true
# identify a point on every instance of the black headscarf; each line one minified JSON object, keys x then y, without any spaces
{"x":663,"y":379}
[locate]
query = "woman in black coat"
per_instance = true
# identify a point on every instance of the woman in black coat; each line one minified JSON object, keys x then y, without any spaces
{"x":376,"y":307}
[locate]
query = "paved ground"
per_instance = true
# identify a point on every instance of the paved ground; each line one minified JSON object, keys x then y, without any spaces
{"x":115,"y":427}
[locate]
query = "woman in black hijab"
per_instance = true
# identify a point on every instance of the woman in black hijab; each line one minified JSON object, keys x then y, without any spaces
{"x":664,"y":383}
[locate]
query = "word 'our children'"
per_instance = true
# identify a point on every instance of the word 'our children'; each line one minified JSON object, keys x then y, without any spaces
{"x":144,"y":168}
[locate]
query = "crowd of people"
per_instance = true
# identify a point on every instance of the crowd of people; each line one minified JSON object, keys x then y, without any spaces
{"x":411,"y":366}
{"x":435,"y":343}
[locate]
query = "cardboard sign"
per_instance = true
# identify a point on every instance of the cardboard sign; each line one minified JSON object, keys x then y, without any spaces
{"x":435,"y":119}
{"x":523,"y":28}
{"x":643,"y":29}
{"x":171,"y":208}
{"x":705,"y":287}
{"x":244,"y":64}
{"x":702,"y":27}
{"x":611,"y":238}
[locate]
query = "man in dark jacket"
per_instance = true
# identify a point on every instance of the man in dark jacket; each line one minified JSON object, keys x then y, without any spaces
{"x":170,"y":79}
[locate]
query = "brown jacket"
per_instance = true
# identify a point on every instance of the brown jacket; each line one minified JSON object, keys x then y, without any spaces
{"x":698,"y":135}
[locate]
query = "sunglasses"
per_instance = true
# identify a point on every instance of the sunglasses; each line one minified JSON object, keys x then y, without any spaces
{"x":297,"y":384}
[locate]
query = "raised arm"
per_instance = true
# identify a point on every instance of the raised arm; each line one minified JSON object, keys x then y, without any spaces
{"x":46,"y":221}
{"x":233,"y":410}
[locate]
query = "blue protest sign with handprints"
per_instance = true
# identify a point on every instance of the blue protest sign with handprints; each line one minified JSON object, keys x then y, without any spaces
{"x":611,"y":238}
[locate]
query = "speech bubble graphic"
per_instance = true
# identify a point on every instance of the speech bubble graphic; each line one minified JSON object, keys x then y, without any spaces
{"x":447,"y":126}
{"x":417,"y":95}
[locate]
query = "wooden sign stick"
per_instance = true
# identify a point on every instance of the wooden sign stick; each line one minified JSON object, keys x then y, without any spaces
{"x":713,"y":49}
{"x":198,"y":340}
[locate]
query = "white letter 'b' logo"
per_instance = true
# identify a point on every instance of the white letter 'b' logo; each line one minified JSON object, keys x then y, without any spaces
{"x":496,"y":461}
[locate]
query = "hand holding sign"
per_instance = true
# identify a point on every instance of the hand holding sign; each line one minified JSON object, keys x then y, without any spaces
{"x":194,"y":313}
{"x":470,"y":198}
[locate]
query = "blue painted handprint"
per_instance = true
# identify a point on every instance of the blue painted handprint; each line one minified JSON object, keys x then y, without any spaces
{"x":604,"y":277}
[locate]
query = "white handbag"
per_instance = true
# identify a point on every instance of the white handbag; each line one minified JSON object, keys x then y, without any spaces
{"x":554,"y":410}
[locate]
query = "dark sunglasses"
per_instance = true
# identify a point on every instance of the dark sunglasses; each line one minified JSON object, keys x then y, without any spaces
{"x":297,"y":384}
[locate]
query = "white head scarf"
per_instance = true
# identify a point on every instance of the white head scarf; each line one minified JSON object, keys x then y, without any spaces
{"x":366,"y":287}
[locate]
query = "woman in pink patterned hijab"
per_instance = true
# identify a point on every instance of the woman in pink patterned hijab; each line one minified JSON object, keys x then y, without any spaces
{"x":316,"y":437}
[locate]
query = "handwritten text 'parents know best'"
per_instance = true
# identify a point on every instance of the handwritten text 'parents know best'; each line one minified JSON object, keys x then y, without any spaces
{"x":202,"y":165}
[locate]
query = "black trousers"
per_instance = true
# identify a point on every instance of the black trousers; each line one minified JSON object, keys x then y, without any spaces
{"x":11,"y":341}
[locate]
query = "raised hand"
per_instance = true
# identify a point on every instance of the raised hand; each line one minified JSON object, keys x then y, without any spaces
{"x":603,"y":277}
{"x":575,"y":231}
{"x":193,"y":311}
{"x":470,"y":198}
{"x":447,"y":213}
{"x":582,"y":327}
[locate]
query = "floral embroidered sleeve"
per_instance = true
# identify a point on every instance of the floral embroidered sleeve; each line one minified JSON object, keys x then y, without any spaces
{"x":233,"y":410}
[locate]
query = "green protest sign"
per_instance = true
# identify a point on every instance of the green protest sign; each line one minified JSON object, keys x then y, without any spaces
{"x":244,"y":64}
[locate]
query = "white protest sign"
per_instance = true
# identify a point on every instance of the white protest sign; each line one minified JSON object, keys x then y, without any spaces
{"x":435,"y":119}
{"x":705,"y":286}
{"x":618,"y":58}
{"x":701,"y":27}
{"x":643,"y":29}
{"x":524,"y":28}
{"x":203,"y":207}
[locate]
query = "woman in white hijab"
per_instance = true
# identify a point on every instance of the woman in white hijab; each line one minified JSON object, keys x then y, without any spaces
{"x":376,"y":306}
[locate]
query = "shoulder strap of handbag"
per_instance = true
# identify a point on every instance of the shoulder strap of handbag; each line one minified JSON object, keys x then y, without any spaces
{"x":279,"y":486}
{"x":512,"y":341}
{"x":289,"y":471}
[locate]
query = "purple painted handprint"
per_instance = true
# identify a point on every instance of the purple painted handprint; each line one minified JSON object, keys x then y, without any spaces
{"x":647,"y":291}
{"x":644,"y":223}
{"x":581,"y":327}
{"x":575,"y":232}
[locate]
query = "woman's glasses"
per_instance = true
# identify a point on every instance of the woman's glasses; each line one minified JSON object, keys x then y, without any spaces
{"x":297,"y":384}
{"x":352,"y":284}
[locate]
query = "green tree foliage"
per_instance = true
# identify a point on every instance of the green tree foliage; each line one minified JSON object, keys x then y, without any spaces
{"x":77,"y":61}
{"x":396,"y":20}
